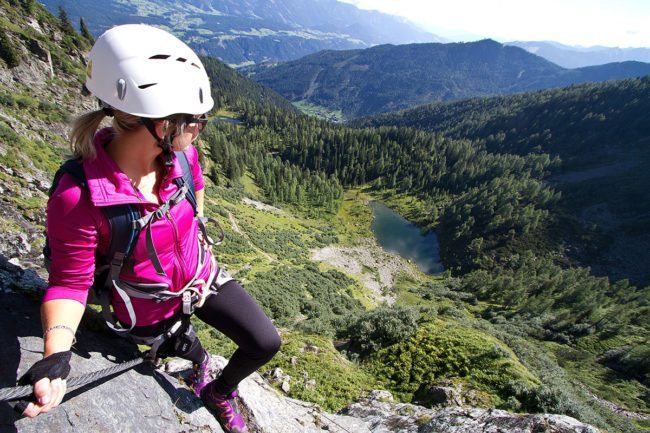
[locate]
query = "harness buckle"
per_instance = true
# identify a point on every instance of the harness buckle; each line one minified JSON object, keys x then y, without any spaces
{"x":187,"y":303}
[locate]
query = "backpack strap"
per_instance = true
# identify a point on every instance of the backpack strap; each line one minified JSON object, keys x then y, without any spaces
{"x":124,"y":234}
{"x":187,"y":179}
{"x":74,"y":168}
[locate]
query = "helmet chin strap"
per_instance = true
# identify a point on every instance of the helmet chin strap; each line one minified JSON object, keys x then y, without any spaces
{"x":164,"y":143}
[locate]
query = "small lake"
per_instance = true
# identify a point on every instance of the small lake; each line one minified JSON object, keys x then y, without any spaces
{"x":396,"y":235}
{"x":226,"y":119}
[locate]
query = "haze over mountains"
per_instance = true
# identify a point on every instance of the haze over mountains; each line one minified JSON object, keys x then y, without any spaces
{"x":390,"y":78}
{"x":254,"y":31}
{"x":576,"y":57}
{"x":240,"y":32}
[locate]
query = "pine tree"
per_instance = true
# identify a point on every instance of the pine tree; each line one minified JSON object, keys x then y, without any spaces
{"x":8,"y":51}
{"x":28,"y":5}
{"x":85,"y":32}
{"x":66,"y":25}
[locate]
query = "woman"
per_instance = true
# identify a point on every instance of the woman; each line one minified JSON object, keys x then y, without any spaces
{"x":157,"y":92}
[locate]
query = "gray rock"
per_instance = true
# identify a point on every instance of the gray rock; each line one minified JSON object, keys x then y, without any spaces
{"x":441,"y":394}
{"x":139,"y":400}
{"x":276,"y":375}
{"x":383,"y":416}
{"x":177,"y":365}
{"x":310,"y":348}
{"x":33,"y":23}
{"x":269,"y":412}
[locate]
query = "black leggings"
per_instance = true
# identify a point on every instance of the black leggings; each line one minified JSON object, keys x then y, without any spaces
{"x":234,"y":313}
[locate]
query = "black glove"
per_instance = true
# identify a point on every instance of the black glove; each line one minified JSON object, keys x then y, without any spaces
{"x":55,"y":366}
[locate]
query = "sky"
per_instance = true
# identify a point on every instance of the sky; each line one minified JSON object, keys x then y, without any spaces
{"x":611,"y":23}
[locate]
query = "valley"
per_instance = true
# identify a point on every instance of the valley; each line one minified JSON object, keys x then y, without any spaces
{"x":539,"y":201}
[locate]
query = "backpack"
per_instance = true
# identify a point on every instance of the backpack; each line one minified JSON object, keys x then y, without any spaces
{"x":124,"y":231}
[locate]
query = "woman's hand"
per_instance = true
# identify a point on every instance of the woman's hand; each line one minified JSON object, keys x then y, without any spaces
{"x":48,"y":377}
{"x":48,"y":394}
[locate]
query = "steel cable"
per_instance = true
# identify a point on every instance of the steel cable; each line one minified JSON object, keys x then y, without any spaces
{"x":18,"y":392}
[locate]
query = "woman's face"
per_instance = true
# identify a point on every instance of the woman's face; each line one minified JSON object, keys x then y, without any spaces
{"x":193,"y":125}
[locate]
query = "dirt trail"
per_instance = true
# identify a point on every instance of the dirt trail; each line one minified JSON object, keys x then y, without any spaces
{"x":236,"y":229}
{"x":233,"y":223}
{"x":616,"y":408}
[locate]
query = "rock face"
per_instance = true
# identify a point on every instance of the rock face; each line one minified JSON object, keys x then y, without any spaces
{"x":136,"y":401}
{"x":147,"y":400}
{"x":383,"y":415}
{"x":140,"y":400}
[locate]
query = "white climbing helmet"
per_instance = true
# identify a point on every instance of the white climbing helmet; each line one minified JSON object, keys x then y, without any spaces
{"x":147,"y":72}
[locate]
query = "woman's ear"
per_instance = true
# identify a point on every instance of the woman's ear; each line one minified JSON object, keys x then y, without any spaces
{"x":161,"y":126}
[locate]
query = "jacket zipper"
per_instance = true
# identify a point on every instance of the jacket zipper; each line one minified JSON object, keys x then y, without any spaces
{"x":177,"y":247}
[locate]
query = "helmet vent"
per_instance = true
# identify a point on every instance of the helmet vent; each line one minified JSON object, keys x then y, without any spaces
{"x":121,"y":88}
{"x":196,"y":66}
{"x":201,"y":95}
{"x":159,"y":57}
{"x":181,"y":59}
{"x":144,"y":86}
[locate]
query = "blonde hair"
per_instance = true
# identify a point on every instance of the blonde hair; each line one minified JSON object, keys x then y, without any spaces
{"x":85,"y":126}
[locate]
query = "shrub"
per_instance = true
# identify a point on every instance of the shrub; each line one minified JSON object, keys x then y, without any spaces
{"x":633,"y":361}
{"x":293,"y":295}
{"x":8,"y":51}
{"x":441,"y":350}
{"x":537,"y":399}
{"x":381,"y":328}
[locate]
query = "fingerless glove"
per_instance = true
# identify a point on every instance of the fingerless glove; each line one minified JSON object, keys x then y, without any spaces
{"x":55,"y":366}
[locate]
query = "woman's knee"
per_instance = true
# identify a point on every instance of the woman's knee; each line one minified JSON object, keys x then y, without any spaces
{"x":269,"y":345}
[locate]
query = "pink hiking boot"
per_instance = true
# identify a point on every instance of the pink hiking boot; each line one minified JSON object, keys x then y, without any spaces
{"x":200,"y":376}
{"x":226,"y":410}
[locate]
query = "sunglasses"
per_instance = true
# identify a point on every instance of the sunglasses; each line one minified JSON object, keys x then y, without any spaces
{"x":192,"y":120}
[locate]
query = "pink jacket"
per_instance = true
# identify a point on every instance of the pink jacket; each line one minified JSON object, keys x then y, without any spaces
{"x":77,"y":229}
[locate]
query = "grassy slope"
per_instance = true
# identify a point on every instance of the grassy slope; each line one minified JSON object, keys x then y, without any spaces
{"x":338,"y":381}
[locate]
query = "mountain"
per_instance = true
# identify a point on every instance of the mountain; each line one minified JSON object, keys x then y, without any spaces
{"x":390,"y":78}
{"x":577,"y":57}
{"x":518,"y":332}
{"x":252,"y":31}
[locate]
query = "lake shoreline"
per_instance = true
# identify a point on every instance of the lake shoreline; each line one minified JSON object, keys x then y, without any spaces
{"x":395,"y":234}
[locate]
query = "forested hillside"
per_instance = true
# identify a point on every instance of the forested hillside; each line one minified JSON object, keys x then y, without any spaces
{"x":231,"y":91}
{"x":598,"y":134}
{"x":390,"y":78}
{"x":504,"y":230}
{"x":543,"y":121}
{"x":514,"y":323}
